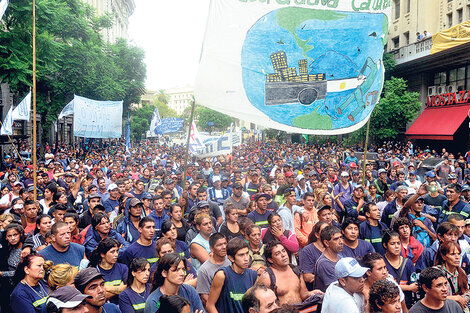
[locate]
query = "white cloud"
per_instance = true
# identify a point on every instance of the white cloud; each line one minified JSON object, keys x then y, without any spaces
{"x":171,"y":32}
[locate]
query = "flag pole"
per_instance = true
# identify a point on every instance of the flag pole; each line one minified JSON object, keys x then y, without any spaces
{"x":34,"y":156}
{"x":193,"y":105}
{"x":365,"y":155}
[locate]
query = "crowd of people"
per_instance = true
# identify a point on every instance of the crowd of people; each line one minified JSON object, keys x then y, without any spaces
{"x":269,"y":228}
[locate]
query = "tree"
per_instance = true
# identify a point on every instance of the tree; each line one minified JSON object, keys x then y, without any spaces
{"x":140,"y":121}
{"x":396,"y":108}
{"x":72,"y":58}
{"x":220,"y":121}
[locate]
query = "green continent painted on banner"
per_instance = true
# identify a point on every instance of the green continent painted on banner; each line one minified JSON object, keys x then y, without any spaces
{"x":291,"y":18}
{"x":314,"y":120}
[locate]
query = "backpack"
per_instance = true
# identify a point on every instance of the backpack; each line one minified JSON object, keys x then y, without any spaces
{"x":420,"y":234}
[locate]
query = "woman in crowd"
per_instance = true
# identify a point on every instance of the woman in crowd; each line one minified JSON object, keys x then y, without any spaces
{"x":372,"y":195}
{"x":48,"y":200}
{"x":164,"y":246}
{"x":230,"y":228}
{"x":132,"y":299}
{"x":278,"y":182}
{"x":256,"y":248}
{"x":5,"y":219}
{"x":397,"y":264}
{"x":31,"y":292}
{"x":276,"y":231}
{"x":169,"y":231}
{"x":168,"y":279}
{"x":43,"y":225}
{"x":181,"y":224}
{"x":104,"y":258}
{"x":448,"y":260}
{"x":309,"y":255}
{"x":411,"y":248}
{"x":384,"y":297}
{"x":59,"y":275}
{"x":14,"y":233}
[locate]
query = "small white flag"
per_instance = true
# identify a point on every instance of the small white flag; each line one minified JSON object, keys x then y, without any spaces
{"x":67,"y":110}
{"x":23,"y":110}
{"x":7,"y":126}
{"x":3,"y":7}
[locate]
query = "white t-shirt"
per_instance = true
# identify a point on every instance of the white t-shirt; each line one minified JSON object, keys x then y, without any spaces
{"x":337,"y":300}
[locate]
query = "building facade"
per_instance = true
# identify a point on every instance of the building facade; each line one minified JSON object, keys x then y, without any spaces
{"x":440,"y":76}
{"x":180,"y":98}
{"x":121,"y":10}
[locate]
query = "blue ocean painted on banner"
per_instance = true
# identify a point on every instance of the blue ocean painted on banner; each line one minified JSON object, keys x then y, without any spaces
{"x":315,"y":69}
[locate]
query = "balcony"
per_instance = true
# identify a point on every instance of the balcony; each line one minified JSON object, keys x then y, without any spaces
{"x":412,"y":51}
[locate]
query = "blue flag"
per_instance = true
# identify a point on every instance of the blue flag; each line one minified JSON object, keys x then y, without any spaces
{"x":128,"y":135}
{"x":156,"y":120}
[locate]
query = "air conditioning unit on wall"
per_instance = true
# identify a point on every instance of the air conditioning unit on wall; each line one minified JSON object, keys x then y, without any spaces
{"x":431,"y":91}
{"x":441,"y":89}
{"x":452,"y":88}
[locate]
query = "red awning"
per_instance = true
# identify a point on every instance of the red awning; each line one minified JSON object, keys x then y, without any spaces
{"x":438,"y":123}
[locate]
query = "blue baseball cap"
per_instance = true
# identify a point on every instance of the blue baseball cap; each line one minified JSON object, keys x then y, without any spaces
{"x":430,"y":174}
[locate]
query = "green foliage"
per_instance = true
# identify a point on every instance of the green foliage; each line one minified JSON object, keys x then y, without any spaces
{"x":72,"y":58}
{"x":389,"y":62}
{"x":396,"y":108}
{"x":206,"y":115}
{"x":140,"y":121}
{"x":141,"y":117}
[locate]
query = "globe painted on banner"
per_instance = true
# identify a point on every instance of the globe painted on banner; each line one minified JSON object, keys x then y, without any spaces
{"x":315,"y":69}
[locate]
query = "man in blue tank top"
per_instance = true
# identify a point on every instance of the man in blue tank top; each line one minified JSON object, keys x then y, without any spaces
{"x":231,"y":282}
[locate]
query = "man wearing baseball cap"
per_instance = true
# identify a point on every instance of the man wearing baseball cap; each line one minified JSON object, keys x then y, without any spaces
{"x":345,"y":295}
{"x":67,"y":299}
{"x":237,"y":198}
{"x":90,"y":282}
{"x":260,"y":215}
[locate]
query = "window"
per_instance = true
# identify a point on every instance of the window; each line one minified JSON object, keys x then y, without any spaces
{"x":396,"y":42}
{"x":449,"y":20}
{"x":408,"y":6}
{"x":397,"y":9}
{"x":440,"y":78}
{"x":407,"y":38}
{"x":460,"y":15}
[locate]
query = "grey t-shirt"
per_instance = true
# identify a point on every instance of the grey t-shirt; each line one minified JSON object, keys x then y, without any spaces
{"x":450,"y":306}
{"x":324,"y":273}
{"x":206,"y":275}
{"x":241,"y":205}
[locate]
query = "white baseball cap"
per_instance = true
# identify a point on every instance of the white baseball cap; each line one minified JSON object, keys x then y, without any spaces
{"x":349,"y":267}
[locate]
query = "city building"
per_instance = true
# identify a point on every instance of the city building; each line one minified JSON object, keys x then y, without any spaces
{"x":180,"y":98}
{"x":121,"y":10}
{"x":429,"y":42}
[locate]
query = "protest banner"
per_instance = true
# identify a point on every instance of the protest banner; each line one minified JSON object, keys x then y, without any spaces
{"x":97,"y":119}
{"x":169,"y":125}
{"x":304,"y":66}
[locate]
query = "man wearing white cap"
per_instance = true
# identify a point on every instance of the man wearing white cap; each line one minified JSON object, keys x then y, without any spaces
{"x":345,"y":295}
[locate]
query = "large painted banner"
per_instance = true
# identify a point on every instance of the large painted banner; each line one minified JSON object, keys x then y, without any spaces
{"x":305,"y":66}
{"x":97,"y":119}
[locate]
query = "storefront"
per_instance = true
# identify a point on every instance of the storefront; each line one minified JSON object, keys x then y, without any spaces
{"x":444,"y":122}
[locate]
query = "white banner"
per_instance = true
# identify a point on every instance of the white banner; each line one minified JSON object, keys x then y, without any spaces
{"x":215,"y":146}
{"x":97,"y":119}
{"x":7,"y":125}
{"x":303,"y":66}
{"x":195,"y":140}
{"x":23,"y":110}
{"x":3,"y":7}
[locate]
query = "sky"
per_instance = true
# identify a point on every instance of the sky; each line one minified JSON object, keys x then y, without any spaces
{"x":171,"y":33}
